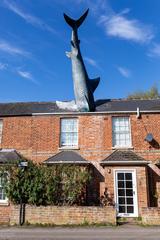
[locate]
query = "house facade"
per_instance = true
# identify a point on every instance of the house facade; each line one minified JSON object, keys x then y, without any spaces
{"x":120,"y":141}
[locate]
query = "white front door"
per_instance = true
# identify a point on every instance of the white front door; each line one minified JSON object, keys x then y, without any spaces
{"x":126,"y":193}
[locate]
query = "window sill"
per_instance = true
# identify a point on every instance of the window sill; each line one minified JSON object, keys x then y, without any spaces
{"x":69,"y":148}
{"x":123,"y":148}
{"x":4,"y":203}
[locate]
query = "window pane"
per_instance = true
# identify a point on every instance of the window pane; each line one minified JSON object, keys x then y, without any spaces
{"x":120,"y":184}
{"x":2,"y":192}
{"x":129,"y":184}
{"x":121,"y":192}
{"x":121,"y":200}
{"x":69,"y":132}
{"x":1,"y":128}
{"x":121,"y":132}
{"x":129,"y":200}
{"x":120,"y":176}
{"x":129,"y":192}
{"x":130,"y":209}
{"x":121,"y":209}
{"x":128,"y":176}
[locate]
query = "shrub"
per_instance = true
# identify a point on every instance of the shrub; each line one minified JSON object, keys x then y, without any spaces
{"x":47,"y":185}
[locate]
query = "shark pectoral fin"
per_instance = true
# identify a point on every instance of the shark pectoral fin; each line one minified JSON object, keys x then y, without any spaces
{"x":69,"y":54}
{"x":93,"y":83}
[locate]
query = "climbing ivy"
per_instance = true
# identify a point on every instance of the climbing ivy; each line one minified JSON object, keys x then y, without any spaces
{"x":47,"y":185}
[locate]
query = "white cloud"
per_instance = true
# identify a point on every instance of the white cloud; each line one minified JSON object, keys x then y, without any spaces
{"x":11,"y":49}
{"x":124,"y":72}
{"x":119,"y":26}
{"x":3,"y":66}
{"x":27,"y":75}
{"x":154,"y":51}
{"x":33,"y":20}
{"x":92,"y":62}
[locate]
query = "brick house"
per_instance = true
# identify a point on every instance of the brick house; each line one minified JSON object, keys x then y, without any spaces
{"x":120,"y":141}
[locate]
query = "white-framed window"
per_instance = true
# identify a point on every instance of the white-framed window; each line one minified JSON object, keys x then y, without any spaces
{"x":1,"y":129}
{"x":69,"y":132}
{"x":3,"y":197}
{"x":121,"y":132}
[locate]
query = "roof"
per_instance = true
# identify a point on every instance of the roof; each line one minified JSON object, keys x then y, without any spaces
{"x":113,"y":105}
{"x":127,"y":105}
{"x":66,"y":157}
{"x":9,"y":156}
{"x":123,"y":157}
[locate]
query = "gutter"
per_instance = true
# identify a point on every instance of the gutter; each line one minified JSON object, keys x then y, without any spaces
{"x":64,"y":162}
{"x":94,"y":113}
{"x":124,"y":163}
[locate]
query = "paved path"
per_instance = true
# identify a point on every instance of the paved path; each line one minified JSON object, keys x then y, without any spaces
{"x":90,"y":233}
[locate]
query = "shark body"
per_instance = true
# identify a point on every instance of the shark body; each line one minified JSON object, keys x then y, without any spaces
{"x":83,"y":86}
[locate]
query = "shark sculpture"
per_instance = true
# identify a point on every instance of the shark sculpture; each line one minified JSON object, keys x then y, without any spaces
{"x":83,"y":86}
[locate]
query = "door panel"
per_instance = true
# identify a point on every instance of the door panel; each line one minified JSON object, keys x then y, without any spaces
{"x":126,"y":193}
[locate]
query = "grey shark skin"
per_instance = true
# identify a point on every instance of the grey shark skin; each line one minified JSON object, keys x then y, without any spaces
{"x":83,"y":86}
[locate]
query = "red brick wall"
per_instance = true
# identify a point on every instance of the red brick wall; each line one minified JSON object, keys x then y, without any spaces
{"x":65,"y":215}
{"x":38,"y":137}
{"x":5,"y":214}
{"x":151,"y":216}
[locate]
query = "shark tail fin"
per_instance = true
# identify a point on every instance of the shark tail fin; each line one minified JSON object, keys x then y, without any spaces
{"x":94,"y":83}
{"x":75,"y":23}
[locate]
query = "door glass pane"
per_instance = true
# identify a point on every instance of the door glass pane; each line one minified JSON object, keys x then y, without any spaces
{"x":128,"y":176}
{"x":121,"y":200}
{"x":120,"y":176}
{"x":120,"y":184}
{"x":121,"y":192}
{"x":129,"y":200}
{"x":121,"y":209}
{"x":129,"y":184}
{"x":129,"y":192}
{"x":130,"y":209}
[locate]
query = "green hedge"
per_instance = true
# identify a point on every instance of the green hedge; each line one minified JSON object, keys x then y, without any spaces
{"x":43,"y":185}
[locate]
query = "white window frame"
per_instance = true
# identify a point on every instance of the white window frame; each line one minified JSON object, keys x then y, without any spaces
{"x":135,"y":189}
{"x":69,"y":146}
{"x":114,"y":133}
{"x":1,"y":130}
{"x":4,"y":201}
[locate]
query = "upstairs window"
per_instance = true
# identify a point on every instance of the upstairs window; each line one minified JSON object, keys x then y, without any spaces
{"x":121,"y":132}
{"x":69,"y":132}
{"x":1,"y":129}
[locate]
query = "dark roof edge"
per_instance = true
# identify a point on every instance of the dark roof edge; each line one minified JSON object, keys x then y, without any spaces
{"x":66,"y":162}
{"x":109,"y":163}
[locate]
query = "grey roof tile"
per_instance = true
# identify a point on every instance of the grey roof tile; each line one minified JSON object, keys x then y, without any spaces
{"x":66,"y":157}
{"x":28,"y":108}
{"x":123,"y":156}
{"x":9,"y":156}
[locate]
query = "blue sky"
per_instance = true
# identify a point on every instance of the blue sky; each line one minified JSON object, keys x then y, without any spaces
{"x":120,"y":42}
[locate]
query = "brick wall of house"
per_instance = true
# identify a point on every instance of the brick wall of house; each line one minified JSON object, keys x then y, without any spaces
{"x":37,"y":137}
{"x":65,"y":215}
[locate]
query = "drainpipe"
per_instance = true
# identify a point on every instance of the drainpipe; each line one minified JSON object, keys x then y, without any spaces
{"x":22,"y":165}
